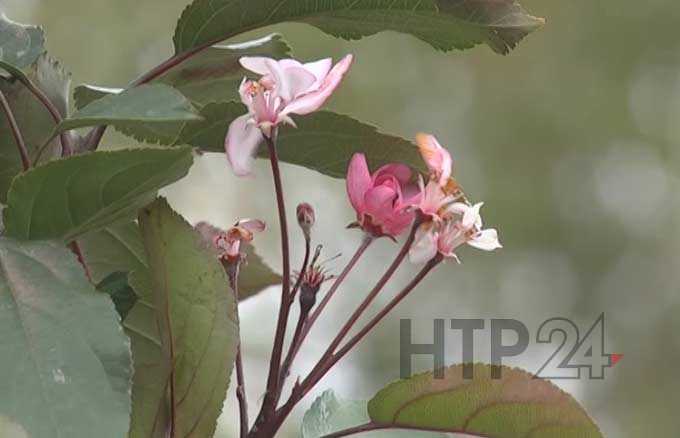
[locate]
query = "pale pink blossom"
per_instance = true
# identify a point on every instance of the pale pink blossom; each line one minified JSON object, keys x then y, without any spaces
{"x":436,"y":157}
{"x":463,"y":225}
{"x":383,"y":201}
{"x":286,"y":87}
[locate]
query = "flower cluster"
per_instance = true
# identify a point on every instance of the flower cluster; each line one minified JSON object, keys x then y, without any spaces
{"x":386,"y":201}
{"x":449,"y":221}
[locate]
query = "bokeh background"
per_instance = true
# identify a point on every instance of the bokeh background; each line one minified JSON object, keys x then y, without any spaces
{"x":571,"y":140}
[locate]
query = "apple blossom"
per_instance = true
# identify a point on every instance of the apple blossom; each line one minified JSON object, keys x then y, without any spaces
{"x":383,"y":200}
{"x":463,"y":224}
{"x":286,"y":87}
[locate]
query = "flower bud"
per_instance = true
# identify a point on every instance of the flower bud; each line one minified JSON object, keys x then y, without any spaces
{"x":306,"y":218}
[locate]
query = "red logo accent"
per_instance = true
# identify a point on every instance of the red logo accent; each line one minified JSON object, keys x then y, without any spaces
{"x":614,"y":358}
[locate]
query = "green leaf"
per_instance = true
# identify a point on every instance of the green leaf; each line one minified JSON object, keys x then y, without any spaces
{"x":65,"y":362}
{"x":445,"y":24}
{"x":85,"y":94}
{"x":254,"y":275}
{"x":118,"y":288}
{"x":20,"y":44}
{"x":323,"y":141}
{"x":155,"y":103}
{"x":196,"y":321}
{"x":115,"y":248}
{"x":213,"y":75}
{"x":515,"y":406}
{"x":330,"y":414}
{"x":66,"y":198}
{"x":35,"y":122}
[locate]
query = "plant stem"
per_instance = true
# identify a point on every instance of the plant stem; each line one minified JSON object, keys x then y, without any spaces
{"x":66,"y":146}
{"x":75,"y":248}
{"x":329,"y":359}
{"x":369,"y":298}
{"x":431,"y":264}
{"x":295,"y":346}
{"x":288,"y":361}
{"x":271,"y":395}
{"x":16,"y":132}
{"x":233,"y":269}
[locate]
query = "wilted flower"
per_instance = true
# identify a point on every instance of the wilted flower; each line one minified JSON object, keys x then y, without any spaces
{"x":310,"y":282}
{"x":382,"y":201}
{"x":286,"y":87}
{"x":228,"y":243}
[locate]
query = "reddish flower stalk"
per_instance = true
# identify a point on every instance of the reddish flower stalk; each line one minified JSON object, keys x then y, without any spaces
{"x":16,"y":132}
{"x":329,"y":360}
{"x":271,"y":396}
{"x":307,"y":325}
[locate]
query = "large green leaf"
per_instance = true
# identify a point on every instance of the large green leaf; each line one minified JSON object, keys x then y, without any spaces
{"x":196,"y":321}
{"x":213,"y":75}
{"x":155,"y":103}
{"x":515,"y":406}
{"x":65,"y":362}
{"x":330,"y":413}
{"x":115,"y":248}
{"x":20,"y":44}
{"x":323,"y":141}
{"x":445,"y":24}
{"x":33,"y":119}
{"x":66,"y":198}
{"x":254,"y":275}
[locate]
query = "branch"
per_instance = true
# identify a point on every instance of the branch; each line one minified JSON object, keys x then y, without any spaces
{"x":16,"y":132}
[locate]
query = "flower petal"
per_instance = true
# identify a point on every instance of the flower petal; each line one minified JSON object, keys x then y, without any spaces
{"x":241,"y":143}
{"x":486,"y":240}
{"x":252,"y":225}
{"x":319,"y":69}
{"x":358,"y":181}
{"x":437,"y":158}
{"x":400,"y":171}
{"x":256,"y":64}
{"x":312,"y":101}
{"x":424,"y":246}
{"x":471,"y":217}
{"x":291,"y":81}
{"x":379,"y":202}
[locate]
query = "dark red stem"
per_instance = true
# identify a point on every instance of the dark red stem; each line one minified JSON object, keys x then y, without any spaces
{"x":295,"y":346}
{"x":271,"y":395}
{"x":16,"y":132}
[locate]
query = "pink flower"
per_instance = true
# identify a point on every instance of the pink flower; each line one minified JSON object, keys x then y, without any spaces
{"x":463,"y":224}
{"x":437,"y":158}
{"x":228,"y":243}
{"x":286,"y":87}
{"x":381,"y":200}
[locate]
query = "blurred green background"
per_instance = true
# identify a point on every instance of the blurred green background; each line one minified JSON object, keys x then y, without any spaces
{"x":571,"y":141}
